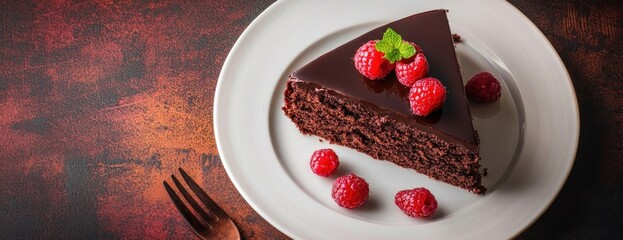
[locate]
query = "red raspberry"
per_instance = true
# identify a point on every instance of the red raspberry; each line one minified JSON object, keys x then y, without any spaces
{"x":408,"y":72}
{"x":426,"y":96}
{"x":371,"y":63}
{"x":417,"y":202}
{"x":350,"y":191}
{"x":324,"y":162}
{"x":483,"y":87}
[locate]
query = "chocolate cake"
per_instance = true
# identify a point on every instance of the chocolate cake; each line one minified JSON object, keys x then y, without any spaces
{"x":329,"y":98}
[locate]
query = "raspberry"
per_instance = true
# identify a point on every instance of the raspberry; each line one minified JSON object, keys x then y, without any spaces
{"x":483,"y":87}
{"x":350,"y":191}
{"x":417,"y":202}
{"x":426,"y":96}
{"x":371,"y":63}
{"x":408,"y":72}
{"x":324,"y":162}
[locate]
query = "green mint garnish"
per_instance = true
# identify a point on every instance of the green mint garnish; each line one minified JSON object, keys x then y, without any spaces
{"x":394,"y":47}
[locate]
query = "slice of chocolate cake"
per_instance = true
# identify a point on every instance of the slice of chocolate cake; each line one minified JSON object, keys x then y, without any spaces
{"x":329,"y":98}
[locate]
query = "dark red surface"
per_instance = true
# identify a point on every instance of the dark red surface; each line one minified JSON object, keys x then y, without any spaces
{"x":100,"y":101}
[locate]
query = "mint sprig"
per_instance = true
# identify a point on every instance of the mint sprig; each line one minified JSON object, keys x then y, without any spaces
{"x":394,"y":48}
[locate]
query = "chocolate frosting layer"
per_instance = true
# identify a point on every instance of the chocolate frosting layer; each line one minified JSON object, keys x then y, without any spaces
{"x":430,"y":30}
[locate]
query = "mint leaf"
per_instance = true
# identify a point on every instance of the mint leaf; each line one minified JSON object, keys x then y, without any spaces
{"x":394,"y":48}
{"x":384,"y":46}
{"x":406,"y":50}
{"x":393,"y":56}
{"x":392,"y":37}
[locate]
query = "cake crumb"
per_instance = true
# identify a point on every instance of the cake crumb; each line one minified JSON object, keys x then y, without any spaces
{"x":456,"y":38}
{"x":320,"y":140}
{"x":485,"y":172}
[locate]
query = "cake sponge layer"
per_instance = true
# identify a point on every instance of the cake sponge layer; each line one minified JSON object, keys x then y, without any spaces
{"x":352,"y":123}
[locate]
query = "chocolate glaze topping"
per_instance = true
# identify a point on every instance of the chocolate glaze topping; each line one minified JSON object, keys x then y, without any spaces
{"x":430,"y":30}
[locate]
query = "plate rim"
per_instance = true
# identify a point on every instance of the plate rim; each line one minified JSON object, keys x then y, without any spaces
{"x":266,"y":14}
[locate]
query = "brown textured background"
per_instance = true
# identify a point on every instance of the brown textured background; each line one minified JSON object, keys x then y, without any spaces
{"x":101,"y":100}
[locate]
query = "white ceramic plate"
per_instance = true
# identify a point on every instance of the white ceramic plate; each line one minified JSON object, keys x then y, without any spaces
{"x":528,"y":138}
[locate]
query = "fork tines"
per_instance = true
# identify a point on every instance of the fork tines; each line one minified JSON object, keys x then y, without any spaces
{"x":210,"y":217}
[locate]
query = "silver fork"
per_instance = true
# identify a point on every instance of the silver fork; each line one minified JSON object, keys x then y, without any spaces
{"x":213,"y":223}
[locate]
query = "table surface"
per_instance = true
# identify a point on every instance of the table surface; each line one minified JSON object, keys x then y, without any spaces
{"x":100,"y":101}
